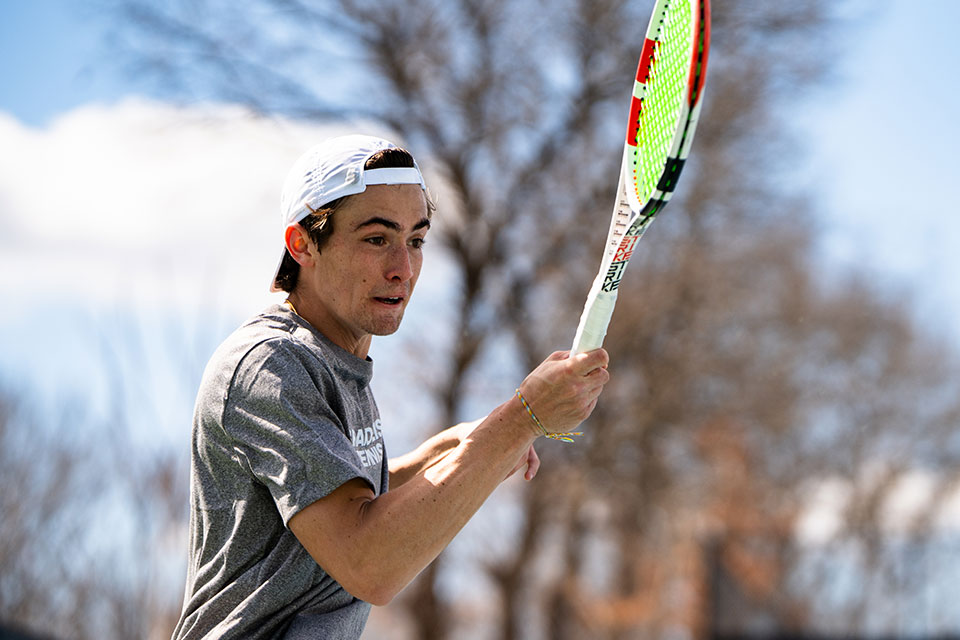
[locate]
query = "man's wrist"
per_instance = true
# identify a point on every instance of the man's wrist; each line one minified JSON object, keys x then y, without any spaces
{"x":510,"y":418}
{"x":538,"y":427}
{"x":542,"y":430}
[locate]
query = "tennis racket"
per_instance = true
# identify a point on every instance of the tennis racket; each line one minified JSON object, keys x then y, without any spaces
{"x":663,"y":116}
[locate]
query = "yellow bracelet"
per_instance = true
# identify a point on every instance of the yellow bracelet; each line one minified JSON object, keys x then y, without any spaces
{"x":563,"y":437}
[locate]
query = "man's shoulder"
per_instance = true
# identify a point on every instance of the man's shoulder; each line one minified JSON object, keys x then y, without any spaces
{"x":277,"y":344}
{"x":273,"y":333}
{"x":272,"y":324}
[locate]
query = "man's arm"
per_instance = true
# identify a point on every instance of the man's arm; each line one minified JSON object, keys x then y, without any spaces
{"x":374,"y":546}
{"x":406,"y":466}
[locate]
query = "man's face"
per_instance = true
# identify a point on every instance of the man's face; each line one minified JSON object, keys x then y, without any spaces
{"x":361,"y":281}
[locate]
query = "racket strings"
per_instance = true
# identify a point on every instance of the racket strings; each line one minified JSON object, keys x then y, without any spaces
{"x":663,"y":100}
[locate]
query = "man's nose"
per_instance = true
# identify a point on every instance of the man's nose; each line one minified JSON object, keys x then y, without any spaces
{"x":399,"y":266}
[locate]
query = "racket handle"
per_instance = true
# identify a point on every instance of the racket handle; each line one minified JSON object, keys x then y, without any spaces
{"x":593,"y":322}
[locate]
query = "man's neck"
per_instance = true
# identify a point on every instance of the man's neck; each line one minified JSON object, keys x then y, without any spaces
{"x":318,"y":317}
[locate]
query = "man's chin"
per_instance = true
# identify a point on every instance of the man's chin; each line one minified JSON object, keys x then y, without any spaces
{"x":387,"y":326}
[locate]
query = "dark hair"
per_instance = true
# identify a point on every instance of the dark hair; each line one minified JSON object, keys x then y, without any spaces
{"x":319,"y":225}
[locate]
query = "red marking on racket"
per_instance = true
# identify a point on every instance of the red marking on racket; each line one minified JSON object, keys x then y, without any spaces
{"x":625,"y":250}
{"x":636,"y":104}
{"x":646,"y":57}
{"x":701,"y":48}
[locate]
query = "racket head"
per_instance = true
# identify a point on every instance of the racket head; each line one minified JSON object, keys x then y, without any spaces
{"x":664,"y":109}
{"x":665,"y":105}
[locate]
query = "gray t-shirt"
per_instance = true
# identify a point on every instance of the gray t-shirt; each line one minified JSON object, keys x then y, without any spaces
{"x":283,"y":417}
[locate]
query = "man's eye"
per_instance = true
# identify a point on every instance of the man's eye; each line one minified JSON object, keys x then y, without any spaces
{"x":417,"y":243}
{"x":376,"y":241}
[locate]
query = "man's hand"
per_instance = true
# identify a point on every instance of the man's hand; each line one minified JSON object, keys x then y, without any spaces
{"x":563,"y":390}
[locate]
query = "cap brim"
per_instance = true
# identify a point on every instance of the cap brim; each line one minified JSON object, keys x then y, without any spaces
{"x":273,"y":283}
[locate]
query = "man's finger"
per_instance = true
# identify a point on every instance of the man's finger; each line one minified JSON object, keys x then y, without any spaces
{"x":533,"y":464}
{"x":586,"y":362}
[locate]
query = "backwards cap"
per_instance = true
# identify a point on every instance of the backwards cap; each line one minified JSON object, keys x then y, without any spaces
{"x":332,"y":170}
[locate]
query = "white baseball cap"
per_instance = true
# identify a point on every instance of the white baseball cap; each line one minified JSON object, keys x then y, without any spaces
{"x":331,"y":170}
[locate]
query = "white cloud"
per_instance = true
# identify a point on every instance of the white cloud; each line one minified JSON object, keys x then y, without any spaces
{"x":822,"y":520}
{"x":145,"y":201}
{"x":904,"y":505}
{"x":166,"y":217}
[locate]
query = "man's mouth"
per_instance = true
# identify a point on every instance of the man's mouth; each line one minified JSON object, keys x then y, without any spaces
{"x":389,"y":300}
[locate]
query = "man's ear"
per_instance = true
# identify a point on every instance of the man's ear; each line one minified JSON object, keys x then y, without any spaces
{"x":298,"y":244}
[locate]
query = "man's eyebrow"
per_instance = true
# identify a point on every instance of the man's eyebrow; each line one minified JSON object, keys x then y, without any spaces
{"x":390,"y":224}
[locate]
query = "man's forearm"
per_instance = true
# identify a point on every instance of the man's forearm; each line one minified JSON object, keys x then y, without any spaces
{"x":406,"y":466}
{"x":384,"y":542}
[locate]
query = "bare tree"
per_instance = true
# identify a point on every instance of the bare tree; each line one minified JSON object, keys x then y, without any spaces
{"x":92,"y":518}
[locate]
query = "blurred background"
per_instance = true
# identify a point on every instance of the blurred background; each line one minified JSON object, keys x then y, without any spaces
{"x":777,"y":453}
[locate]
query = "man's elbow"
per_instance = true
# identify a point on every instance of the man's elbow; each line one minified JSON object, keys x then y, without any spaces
{"x":376,"y":589}
{"x":380,"y":597}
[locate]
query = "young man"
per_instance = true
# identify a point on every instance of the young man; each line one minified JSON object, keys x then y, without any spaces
{"x":293,"y":530}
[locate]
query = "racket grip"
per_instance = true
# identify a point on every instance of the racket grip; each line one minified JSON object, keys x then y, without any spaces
{"x":594,"y":321}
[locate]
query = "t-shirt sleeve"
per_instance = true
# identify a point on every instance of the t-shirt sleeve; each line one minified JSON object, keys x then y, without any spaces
{"x":278,"y":416}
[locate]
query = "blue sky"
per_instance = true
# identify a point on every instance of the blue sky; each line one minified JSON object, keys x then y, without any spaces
{"x":883,"y":141}
{"x":53,"y":59}
{"x":879,"y":145}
